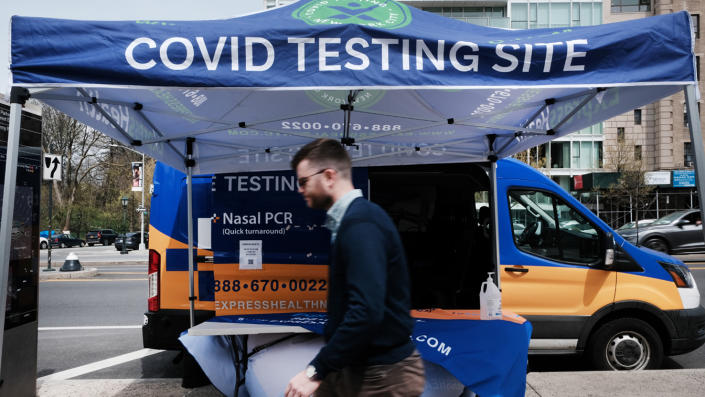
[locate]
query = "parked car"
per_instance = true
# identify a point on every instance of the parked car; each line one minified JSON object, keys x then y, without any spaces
{"x":64,"y":240}
{"x":132,"y":241}
{"x":679,"y":232}
{"x":100,"y":236}
{"x":632,"y":225}
{"x":43,"y":243}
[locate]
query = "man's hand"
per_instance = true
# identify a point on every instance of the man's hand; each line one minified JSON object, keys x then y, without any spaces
{"x":301,"y":386}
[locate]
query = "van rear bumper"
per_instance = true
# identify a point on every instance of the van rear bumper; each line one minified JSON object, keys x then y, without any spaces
{"x":690,"y":330}
{"x":161,"y":330}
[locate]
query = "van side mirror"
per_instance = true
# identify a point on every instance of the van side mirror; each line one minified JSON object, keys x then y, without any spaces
{"x":609,"y":257}
{"x":609,"y":250}
{"x":683,"y":222}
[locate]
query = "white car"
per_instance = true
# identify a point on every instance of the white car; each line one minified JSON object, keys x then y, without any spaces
{"x":43,"y":243}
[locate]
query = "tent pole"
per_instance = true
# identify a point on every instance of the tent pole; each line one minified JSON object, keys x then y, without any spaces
{"x":18,"y":96}
{"x":189,"y":202}
{"x":495,"y":220}
{"x":495,"y":211}
{"x":696,"y":139}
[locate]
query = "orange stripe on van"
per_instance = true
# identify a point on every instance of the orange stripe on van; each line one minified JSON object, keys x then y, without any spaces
{"x":442,"y":314}
{"x":660,"y":293}
{"x":276,"y":288}
{"x":557,"y":290}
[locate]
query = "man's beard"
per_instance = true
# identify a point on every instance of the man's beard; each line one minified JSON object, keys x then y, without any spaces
{"x":321,"y":203}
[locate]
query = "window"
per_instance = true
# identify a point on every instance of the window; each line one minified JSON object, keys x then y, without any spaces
{"x":620,"y":133}
{"x":544,"y":225}
{"x":696,"y":24}
{"x":520,"y":16}
{"x":637,"y":116}
{"x":685,"y":114}
{"x":697,"y":67}
{"x":631,"y":6}
{"x":688,"y":154}
{"x":637,"y":152}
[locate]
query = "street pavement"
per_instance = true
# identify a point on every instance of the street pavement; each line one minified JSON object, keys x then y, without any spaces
{"x":674,"y":382}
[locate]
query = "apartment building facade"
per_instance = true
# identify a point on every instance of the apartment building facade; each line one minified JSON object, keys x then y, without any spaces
{"x":655,"y":135}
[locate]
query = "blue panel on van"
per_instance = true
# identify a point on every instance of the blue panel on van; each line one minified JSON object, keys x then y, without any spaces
{"x":177,"y":259}
{"x":205,"y":286}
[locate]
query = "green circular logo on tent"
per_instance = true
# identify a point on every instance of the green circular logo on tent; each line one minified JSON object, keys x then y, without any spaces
{"x":375,"y":13}
{"x":334,"y":98}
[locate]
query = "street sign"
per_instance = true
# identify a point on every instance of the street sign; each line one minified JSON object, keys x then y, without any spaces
{"x":51,"y":167}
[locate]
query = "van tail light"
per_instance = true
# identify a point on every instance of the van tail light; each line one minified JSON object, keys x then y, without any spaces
{"x":99,"y":235}
{"x":153,"y":281}
{"x":680,"y":274}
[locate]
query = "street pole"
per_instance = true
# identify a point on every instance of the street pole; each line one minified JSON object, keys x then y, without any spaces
{"x":142,"y":209}
{"x":124,"y":225}
{"x":141,"y":247}
{"x":49,"y":269}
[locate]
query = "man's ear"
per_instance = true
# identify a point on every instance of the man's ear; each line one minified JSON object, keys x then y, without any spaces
{"x":331,"y":175}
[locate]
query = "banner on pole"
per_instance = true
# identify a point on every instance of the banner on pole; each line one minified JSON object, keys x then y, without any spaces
{"x":137,"y":177}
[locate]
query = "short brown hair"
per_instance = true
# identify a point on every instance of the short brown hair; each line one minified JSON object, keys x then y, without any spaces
{"x":325,"y":152}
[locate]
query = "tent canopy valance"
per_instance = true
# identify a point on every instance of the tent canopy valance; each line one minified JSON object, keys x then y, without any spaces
{"x":397,"y":84}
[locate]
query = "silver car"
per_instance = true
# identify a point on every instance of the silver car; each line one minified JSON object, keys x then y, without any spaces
{"x":680,"y":232}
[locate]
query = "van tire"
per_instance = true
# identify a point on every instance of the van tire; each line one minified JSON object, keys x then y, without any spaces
{"x":657,"y":244}
{"x":626,"y":344}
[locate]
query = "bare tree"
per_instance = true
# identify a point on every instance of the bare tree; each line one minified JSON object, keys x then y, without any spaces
{"x":630,"y":189}
{"x":82,"y":150}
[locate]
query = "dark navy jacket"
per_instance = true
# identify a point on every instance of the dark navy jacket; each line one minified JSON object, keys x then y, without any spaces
{"x":369,"y":297}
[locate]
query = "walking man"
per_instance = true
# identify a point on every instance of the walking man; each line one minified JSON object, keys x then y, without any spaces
{"x":368,"y":350}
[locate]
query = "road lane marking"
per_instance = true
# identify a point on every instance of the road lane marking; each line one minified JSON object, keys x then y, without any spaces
{"x":89,"y":327}
{"x":90,"y":279}
{"x":696,"y":268}
{"x":98,"y":365}
{"x":123,"y":273}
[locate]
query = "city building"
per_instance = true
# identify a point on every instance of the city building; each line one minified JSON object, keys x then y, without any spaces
{"x":655,"y":135}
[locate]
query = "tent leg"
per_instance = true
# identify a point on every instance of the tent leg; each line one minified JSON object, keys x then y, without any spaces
{"x":495,"y":219}
{"x":189,"y":203}
{"x":18,"y":97}
{"x":696,"y":139}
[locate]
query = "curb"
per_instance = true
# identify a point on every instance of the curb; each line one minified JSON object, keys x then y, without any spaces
{"x":87,"y":263}
{"x":56,"y":274}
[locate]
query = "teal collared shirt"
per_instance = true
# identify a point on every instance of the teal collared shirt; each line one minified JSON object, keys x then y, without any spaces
{"x":337,"y":211}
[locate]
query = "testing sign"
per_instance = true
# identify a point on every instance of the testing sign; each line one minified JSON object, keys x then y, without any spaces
{"x":270,"y":251}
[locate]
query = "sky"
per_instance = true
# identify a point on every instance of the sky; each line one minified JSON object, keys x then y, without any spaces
{"x":113,"y":10}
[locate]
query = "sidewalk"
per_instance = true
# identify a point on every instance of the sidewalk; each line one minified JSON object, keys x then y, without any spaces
{"x":672,"y":383}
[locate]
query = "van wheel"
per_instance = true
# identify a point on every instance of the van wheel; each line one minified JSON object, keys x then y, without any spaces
{"x":657,"y":244}
{"x":43,"y":245}
{"x":626,"y":344}
{"x":105,"y":243}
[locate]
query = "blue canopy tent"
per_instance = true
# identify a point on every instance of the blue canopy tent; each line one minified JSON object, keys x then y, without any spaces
{"x":395,"y":84}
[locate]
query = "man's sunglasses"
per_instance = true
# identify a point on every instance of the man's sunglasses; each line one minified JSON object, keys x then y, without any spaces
{"x":303,"y":180}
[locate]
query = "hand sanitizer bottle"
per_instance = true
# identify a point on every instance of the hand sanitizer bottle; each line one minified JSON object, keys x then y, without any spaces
{"x":490,"y":300}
